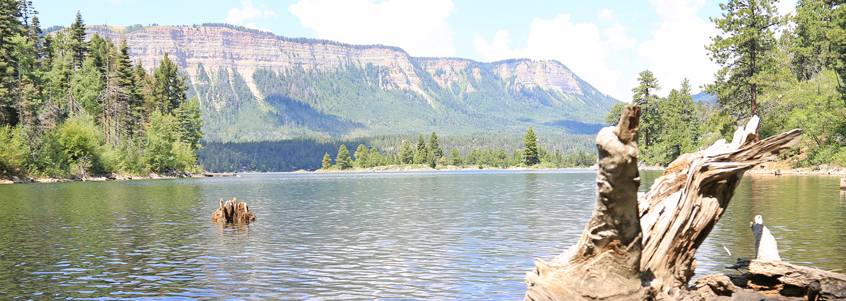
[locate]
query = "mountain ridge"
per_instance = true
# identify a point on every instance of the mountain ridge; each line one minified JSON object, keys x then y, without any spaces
{"x":255,"y":87}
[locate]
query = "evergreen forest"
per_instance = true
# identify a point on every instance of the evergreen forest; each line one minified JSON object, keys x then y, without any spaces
{"x":790,"y":71}
{"x":72,"y":106}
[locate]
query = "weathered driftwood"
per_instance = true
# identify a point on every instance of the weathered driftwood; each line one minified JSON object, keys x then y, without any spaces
{"x":604,"y":265}
{"x":685,"y":203}
{"x":766,"y":247}
{"x":233,"y":212}
{"x":812,"y":282}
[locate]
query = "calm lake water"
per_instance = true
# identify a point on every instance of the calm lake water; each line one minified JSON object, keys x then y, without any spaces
{"x":439,"y":235}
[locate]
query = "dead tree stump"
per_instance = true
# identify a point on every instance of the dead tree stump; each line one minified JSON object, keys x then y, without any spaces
{"x":604,"y":265}
{"x":685,"y":203}
{"x":233,"y":212}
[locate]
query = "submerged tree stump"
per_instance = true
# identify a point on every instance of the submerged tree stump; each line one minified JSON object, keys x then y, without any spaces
{"x":605,"y":264}
{"x":233,"y":212}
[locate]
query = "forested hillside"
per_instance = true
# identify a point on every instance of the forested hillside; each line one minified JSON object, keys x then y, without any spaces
{"x":306,"y":153}
{"x":795,"y":80}
{"x":71,"y":106}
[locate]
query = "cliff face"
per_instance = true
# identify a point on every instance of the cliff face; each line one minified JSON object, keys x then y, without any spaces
{"x":447,"y":95}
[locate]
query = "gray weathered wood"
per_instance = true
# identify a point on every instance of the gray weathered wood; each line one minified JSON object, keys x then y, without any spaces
{"x":604,"y":265}
{"x":831,"y":286}
{"x":685,"y":203}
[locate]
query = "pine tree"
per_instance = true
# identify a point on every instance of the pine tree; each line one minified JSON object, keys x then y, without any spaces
{"x":680,"y":129}
{"x":645,"y":96}
{"x":168,"y":87}
{"x":456,"y":158}
{"x":530,"y":152}
{"x":10,"y":14}
{"x":406,"y":155}
{"x":435,"y":147}
{"x":743,"y":50}
{"x":78,"y":45}
{"x":327,"y":161}
{"x":361,"y":154}
{"x":421,"y":155}
{"x":343,"y":159}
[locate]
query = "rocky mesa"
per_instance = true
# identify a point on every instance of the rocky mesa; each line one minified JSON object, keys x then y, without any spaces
{"x":257,"y":86}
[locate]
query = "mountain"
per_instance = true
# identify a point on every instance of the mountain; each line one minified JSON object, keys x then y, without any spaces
{"x":256,"y":86}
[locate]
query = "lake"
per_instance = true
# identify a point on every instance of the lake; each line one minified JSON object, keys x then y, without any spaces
{"x":416,"y":235}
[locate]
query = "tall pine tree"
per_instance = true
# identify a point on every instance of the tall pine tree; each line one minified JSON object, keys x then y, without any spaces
{"x":743,"y":50}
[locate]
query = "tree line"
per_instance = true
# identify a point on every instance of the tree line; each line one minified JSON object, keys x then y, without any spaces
{"x":792,"y":80}
{"x":432,"y":155}
{"x":73,"y":107}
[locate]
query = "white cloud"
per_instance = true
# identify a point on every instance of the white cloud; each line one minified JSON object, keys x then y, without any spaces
{"x":249,"y":12}
{"x":677,"y":48}
{"x":578,"y":46}
{"x":418,"y":26}
{"x":786,"y":7}
{"x":617,"y":38}
{"x":607,"y":15}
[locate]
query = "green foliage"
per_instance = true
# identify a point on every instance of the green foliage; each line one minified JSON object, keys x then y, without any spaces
{"x":530,"y":152}
{"x":168,"y":88}
{"x":406,"y":154}
{"x":82,"y":142}
{"x":13,"y":154}
{"x":343,"y":159}
{"x":650,"y":118}
{"x":165,"y":149}
{"x":86,"y":87}
{"x":616,"y":112}
{"x":435,"y":147}
{"x":455,"y":158}
{"x":77,"y":105}
{"x":744,"y":52}
{"x":361,"y":154}
{"x":327,"y":161}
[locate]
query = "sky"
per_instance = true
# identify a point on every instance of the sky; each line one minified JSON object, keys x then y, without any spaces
{"x":606,"y":43}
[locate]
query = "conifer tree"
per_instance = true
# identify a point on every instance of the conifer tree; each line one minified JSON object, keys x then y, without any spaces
{"x":343,"y":160}
{"x":361,"y":154}
{"x":327,"y":161}
{"x":743,"y":50}
{"x":456,"y":157}
{"x":168,"y":87}
{"x":645,"y":95}
{"x":435,"y":147}
{"x":78,"y":45}
{"x":406,"y":155}
{"x":530,"y":152}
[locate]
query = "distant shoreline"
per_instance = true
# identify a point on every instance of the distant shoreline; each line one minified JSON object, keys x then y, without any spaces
{"x":98,"y":178}
{"x":416,"y":167}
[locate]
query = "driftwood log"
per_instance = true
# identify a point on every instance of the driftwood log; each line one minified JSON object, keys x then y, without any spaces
{"x":640,"y":248}
{"x":685,"y":203}
{"x":605,"y":264}
{"x":233,"y":211}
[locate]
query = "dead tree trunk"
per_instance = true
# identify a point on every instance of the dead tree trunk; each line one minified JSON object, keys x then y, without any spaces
{"x":604,"y":265}
{"x":233,"y":212}
{"x":638,"y":248}
{"x":685,"y":203}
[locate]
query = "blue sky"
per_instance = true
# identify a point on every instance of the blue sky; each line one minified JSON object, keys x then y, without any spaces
{"x":606,"y":43}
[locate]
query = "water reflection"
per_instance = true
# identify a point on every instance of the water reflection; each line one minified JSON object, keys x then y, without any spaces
{"x":456,"y":235}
